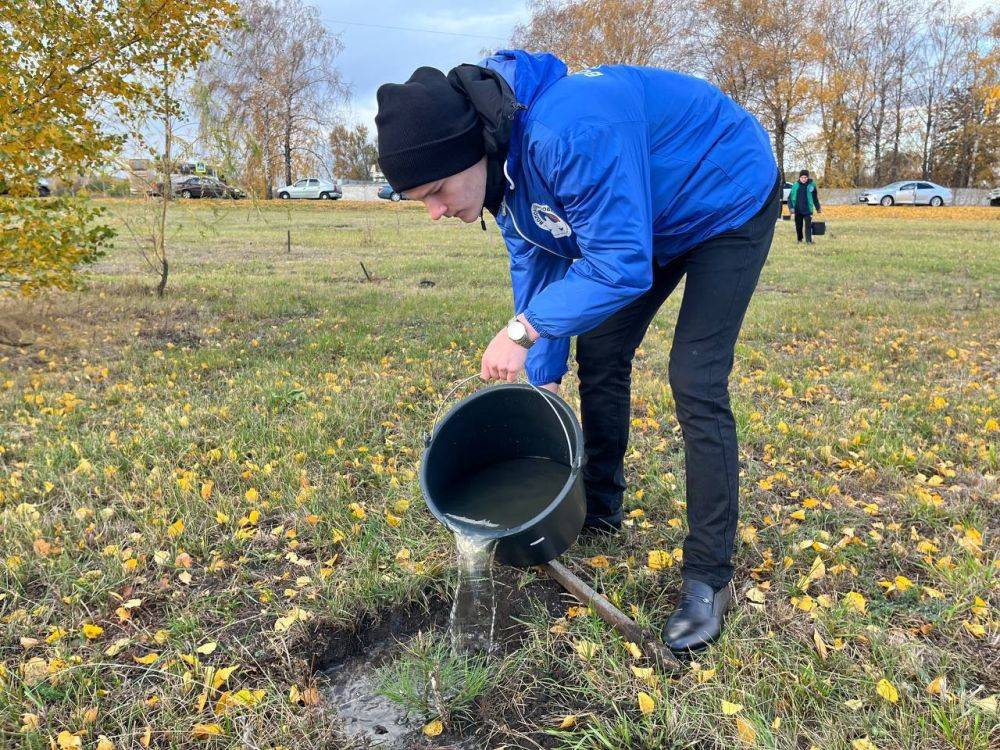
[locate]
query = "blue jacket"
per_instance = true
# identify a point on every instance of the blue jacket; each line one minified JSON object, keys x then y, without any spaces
{"x":608,"y":170}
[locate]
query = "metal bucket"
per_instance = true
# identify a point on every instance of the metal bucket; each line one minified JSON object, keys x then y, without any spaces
{"x":491,"y":428}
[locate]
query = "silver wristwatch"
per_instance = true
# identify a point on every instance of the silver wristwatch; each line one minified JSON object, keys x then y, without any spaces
{"x":519,"y":334}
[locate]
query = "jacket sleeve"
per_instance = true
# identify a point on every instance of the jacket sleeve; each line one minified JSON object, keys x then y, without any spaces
{"x":531,"y":270}
{"x":600,"y":177}
{"x":816,"y":196}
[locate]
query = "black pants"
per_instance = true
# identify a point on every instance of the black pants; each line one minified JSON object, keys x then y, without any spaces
{"x":721,"y":276}
{"x":807,"y":221}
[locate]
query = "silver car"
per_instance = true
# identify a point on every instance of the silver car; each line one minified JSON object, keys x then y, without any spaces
{"x":312,"y":188}
{"x":908,"y":193}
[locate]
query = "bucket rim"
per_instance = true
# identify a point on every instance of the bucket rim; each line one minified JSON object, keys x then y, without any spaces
{"x":575,"y":467}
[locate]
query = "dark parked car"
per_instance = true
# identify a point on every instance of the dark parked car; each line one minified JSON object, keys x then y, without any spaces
{"x":43,"y":189}
{"x":205,"y":187}
{"x":388,"y":194}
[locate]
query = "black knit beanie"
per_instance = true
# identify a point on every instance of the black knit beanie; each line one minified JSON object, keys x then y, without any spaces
{"x":804,"y":173}
{"x":427,"y":130}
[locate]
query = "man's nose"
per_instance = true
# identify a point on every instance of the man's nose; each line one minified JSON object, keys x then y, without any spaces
{"x":435,"y":208}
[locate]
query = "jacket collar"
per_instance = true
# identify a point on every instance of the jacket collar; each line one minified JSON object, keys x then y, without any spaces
{"x":529,"y":74}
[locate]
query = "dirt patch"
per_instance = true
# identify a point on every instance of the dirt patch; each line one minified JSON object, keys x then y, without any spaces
{"x":347,"y":659}
{"x":165,"y":334}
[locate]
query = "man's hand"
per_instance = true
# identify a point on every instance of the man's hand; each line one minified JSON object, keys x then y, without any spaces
{"x":503,"y":359}
{"x":554,"y":387}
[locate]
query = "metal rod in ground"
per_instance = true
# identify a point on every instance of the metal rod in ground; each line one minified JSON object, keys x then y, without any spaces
{"x":367,"y":275}
{"x":647,"y":641}
{"x":289,"y":241}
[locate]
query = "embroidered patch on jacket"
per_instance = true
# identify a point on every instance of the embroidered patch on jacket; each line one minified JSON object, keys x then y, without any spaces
{"x":549,"y":220}
{"x":589,"y":72}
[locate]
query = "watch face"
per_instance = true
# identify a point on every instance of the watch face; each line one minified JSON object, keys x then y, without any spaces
{"x":516,"y":329}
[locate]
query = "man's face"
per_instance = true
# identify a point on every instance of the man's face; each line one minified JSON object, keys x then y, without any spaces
{"x":460,"y":195}
{"x":803,"y":178}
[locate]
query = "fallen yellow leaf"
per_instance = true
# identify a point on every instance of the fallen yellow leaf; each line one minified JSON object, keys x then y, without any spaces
{"x":92,"y":631}
{"x":887,"y":690}
{"x":568,"y":722}
{"x":746,"y":731}
{"x":816,"y":571}
{"x":103,"y":743}
{"x":646,"y":703}
{"x":902,"y":583}
{"x":731,"y":708}
{"x":820,"y":645}
{"x":937,"y":686}
{"x":645,"y":674}
{"x":68,"y":741}
{"x":854,"y":600}
{"x":29,"y":722}
{"x":704,"y":675}
{"x":974,"y":628}
{"x":204,"y":731}
{"x":658,"y":559}
{"x":149,"y":658}
{"x":221,"y":675}
{"x":433,"y":728}
{"x":987,"y":704}
{"x":207,"y":648}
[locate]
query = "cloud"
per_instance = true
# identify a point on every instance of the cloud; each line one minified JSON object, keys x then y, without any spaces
{"x":374,"y":55}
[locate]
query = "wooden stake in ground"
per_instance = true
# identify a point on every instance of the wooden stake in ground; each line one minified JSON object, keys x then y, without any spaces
{"x":646,"y":640}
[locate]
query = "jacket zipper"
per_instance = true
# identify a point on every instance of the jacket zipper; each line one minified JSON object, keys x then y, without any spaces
{"x":505,"y":210}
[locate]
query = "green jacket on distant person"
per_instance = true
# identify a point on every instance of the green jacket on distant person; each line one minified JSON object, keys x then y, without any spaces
{"x":810,"y":196}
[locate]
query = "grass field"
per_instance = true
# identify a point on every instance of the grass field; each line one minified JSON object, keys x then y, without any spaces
{"x":199,"y":491}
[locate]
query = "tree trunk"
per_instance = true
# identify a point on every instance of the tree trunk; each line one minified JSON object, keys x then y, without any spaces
{"x":268,"y":157}
{"x":164,"y":270}
{"x":856,"y":153}
{"x":288,"y":144}
{"x":877,"y":136}
{"x":897,"y":133}
{"x":925,"y":165}
{"x":780,"y":135}
{"x":167,"y":188}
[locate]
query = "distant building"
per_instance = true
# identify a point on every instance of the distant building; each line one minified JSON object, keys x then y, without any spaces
{"x":375,"y":173}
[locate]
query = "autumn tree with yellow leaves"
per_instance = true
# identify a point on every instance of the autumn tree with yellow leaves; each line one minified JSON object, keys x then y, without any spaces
{"x":600,"y":32}
{"x":66,"y":70}
{"x":871,"y":92}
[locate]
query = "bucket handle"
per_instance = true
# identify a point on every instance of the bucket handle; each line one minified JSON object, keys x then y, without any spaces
{"x":575,"y":461}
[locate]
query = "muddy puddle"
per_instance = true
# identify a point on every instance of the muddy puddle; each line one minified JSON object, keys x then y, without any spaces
{"x":352,"y":663}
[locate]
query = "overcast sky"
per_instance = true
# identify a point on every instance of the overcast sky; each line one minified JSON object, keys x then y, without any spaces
{"x":431,"y":32}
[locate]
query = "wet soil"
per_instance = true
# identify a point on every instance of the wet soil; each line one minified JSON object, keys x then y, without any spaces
{"x":346,"y":659}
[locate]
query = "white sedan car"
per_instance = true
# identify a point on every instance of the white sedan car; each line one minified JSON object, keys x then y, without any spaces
{"x":312,"y":188}
{"x":908,"y":192}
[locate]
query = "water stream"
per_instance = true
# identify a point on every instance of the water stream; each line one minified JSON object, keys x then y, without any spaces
{"x":473,"y":613}
{"x":483,"y":506}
